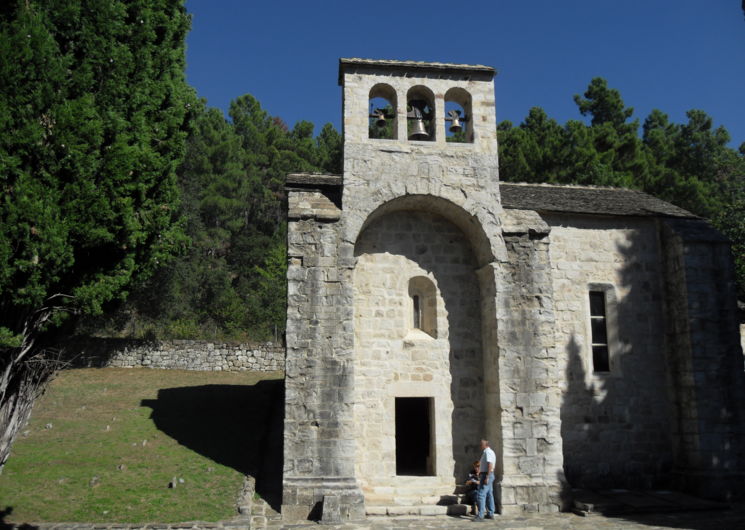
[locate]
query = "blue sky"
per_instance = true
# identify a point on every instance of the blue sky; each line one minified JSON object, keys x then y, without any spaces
{"x":674,"y":55}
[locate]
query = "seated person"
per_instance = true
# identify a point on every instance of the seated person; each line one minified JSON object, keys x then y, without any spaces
{"x":473,"y":483}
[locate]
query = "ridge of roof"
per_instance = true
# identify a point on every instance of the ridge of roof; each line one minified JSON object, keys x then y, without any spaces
{"x":579,"y":186}
{"x":585,"y":199}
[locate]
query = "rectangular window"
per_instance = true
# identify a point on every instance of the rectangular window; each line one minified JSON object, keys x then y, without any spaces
{"x":599,"y":330}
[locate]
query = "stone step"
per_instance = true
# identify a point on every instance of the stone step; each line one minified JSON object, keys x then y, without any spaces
{"x":411,"y":500}
{"x":416,"y":509}
{"x":411,"y":490}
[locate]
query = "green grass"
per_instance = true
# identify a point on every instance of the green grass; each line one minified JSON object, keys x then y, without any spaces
{"x":135,"y":430}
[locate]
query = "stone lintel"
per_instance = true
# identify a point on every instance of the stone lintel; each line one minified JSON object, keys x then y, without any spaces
{"x":517,"y":222}
{"x":305,"y":180}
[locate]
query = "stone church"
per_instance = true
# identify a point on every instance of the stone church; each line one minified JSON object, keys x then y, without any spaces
{"x":589,"y":333}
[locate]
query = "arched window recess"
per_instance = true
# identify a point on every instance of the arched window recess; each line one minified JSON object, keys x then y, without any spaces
{"x":420,"y":114}
{"x":382,"y":113}
{"x":458,"y":119}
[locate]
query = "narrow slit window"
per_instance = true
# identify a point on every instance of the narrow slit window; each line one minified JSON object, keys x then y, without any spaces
{"x":423,"y":306}
{"x":417,"y":312}
{"x":599,"y":331}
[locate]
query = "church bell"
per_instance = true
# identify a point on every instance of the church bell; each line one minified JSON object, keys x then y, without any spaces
{"x":454,"y":120}
{"x":416,"y":115}
{"x":418,"y":131}
{"x":379,"y":116}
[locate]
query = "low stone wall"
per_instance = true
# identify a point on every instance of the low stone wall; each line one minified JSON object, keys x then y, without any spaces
{"x":175,"y":354}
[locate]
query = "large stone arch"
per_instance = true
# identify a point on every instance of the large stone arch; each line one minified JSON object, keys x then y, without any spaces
{"x":413,"y":237}
{"x":477,"y":214}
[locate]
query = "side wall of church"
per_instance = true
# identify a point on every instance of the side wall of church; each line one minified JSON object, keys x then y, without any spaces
{"x":616,"y":425}
{"x":705,"y":360}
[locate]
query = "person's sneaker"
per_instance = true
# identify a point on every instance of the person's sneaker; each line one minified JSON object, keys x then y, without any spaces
{"x":477,"y":519}
{"x":490,"y":516}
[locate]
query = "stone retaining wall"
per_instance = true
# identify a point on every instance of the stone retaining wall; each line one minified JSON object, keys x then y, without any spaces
{"x":176,"y":354}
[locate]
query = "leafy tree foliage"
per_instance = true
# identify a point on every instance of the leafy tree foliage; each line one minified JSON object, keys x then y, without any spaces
{"x":230,"y":283}
{"x":688,"y":164}
{"x":93,"y":106}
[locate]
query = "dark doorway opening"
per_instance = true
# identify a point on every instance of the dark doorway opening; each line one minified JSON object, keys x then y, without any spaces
{"x":414,"y":452}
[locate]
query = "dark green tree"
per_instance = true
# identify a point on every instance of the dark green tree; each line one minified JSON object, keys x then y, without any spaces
{"x":93,"y":106}
{"x":532,"y":152}
{"x":687,"y":164}
{"x":230,"y":284}
{"x":330,"y":150}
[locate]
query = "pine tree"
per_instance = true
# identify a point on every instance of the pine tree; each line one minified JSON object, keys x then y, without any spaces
{"x":687,"y":164}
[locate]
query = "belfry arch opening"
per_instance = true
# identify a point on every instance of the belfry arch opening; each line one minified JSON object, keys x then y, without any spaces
{"x":420,"y":114}
{"x":382,"y":117}
{"x":458,"y":116}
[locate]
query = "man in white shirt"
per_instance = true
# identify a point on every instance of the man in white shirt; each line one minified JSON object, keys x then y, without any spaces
{"x":486,"y":483}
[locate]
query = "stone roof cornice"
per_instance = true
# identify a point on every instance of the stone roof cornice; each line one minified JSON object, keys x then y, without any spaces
{"x":420,"y":66}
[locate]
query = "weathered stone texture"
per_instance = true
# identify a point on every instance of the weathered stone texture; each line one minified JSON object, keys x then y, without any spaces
{"x":176,"y":355}
{"x":616,"y":427}
{"x":705,"y":361}
{"x":529,"y":376}
{"x":319,"y":453}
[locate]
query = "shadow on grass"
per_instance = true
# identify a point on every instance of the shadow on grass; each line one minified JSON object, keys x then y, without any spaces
{"x":10,"y":526}
{"x":238,"y":426}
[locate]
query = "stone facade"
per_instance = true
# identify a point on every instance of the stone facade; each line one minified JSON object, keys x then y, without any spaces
{"x":176,"y":355}
{"x":616,"y":425}
{"x":418,"y":276}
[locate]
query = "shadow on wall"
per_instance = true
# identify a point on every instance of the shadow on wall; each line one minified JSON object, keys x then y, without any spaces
{"x":617,"y":421}
{"x":234,"y":425}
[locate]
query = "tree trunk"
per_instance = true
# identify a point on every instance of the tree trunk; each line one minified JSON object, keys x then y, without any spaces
{"x":24,"y":374}
{"x":23,"y":383}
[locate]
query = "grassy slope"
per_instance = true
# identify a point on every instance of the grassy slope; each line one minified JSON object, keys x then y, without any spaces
{"x":205,"y":427}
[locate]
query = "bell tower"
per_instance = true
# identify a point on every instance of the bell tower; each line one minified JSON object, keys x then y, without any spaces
{"x":401,"y":303}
